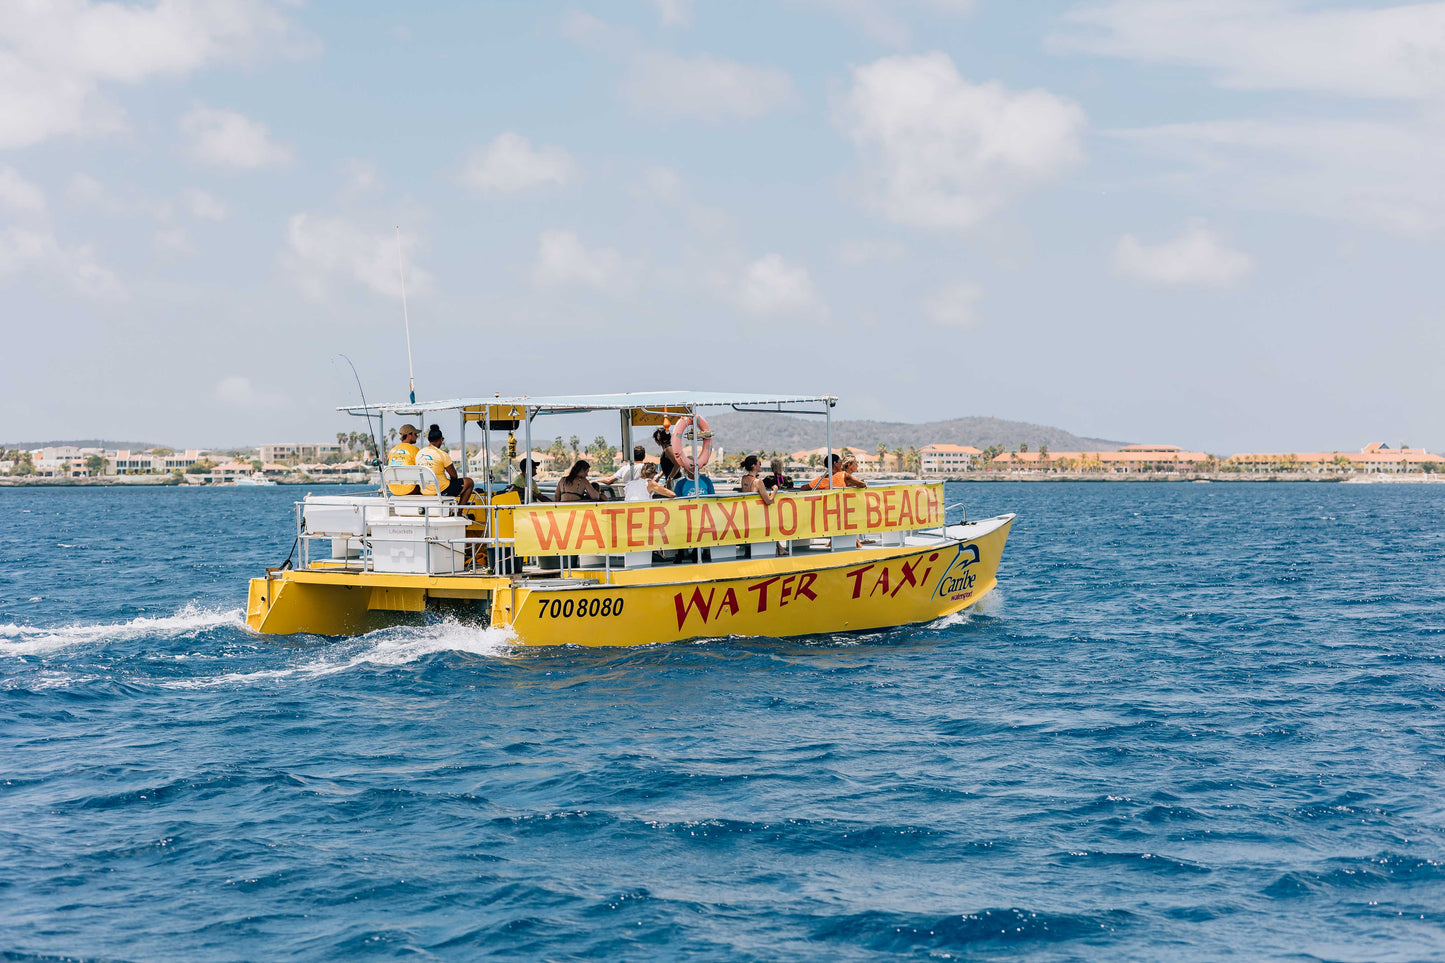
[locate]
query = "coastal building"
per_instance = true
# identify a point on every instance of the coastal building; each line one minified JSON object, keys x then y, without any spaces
{"x":316,"y":451}
{"x":178,"y":460}
{"x":942,"y":459}
{"x":1130,"y":458}
{"x":1374,"y":457}
{"x":127,"y":462}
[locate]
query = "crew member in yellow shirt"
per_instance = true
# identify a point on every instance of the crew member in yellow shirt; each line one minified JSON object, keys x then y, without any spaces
{"x":404,"y":454}
{"x":435,"y":457}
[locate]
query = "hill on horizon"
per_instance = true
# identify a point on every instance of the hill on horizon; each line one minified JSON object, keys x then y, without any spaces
{"x":757,"y":431}
{"x":86,"y":443}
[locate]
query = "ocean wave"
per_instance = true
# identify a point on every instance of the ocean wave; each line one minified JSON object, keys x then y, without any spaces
{"x":20,"y":640}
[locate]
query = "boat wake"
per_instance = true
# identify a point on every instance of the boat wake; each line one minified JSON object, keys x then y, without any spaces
{"x":191,"y":619}
{"x":384,"y":648}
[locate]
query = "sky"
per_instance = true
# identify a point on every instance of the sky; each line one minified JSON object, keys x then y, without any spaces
{"x":1211,"y":223}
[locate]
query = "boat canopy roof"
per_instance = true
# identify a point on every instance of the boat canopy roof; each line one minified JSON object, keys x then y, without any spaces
{"x":647,"y":400}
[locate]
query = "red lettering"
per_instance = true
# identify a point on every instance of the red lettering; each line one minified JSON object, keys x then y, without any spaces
{"x":836,"y":511}
{"x":857,"y":576}
{"x":905,"y":509}
{"x":657,"y":519}
{"x":730,"y":602}
{"x":611,"y":514}
{"x":785,"y":591}
{"x":708,"y":527}
{"x":787,"y":528}
{"x":850,"y":508}
{"x":688,"y":510}
{"x":924,"y":579}
{"x":888,"y":521}
{"x":589,"y":525}
{"x":813,"y":512}
{"x":552,"y":537}
{"x":920,"y":503}
{"x":634,"y":527}
{"x":730,"y":519}
{"x":934,"y":514}
{"x":762,"y":589}
{"x":804,"y":589}
{"x":873,"y":506}
{"x":906,"y":578}
{"x":882,"y":582}
{"x":703,"y":606}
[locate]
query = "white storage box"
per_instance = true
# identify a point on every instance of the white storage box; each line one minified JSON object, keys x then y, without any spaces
{"x":403,"y":545}
{"x":341,"y":514}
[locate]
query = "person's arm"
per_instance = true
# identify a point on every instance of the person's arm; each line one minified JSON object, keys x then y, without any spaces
{"x":660,"y":490}
{"x":764,"y":492}
{"x":852,"y":482}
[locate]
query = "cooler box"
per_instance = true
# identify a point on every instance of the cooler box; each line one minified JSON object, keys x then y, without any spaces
{"x":401,"y":545}
{"x":342,"y":516}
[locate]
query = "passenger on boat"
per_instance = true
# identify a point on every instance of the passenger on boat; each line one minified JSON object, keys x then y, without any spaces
{"x":646,"y":486}
{"x":527,"y":475}
{"x":630,"y":471}
{"x":435,"y":457}
{"x":844,"y":477}
{"x":825,"y":480}
{"x":574,"y":486}
{"x":404,"y":453}
{"x":750,"y":483}
{"x":667,"y":467}
{"x":777,"y":479}
{"x":691,"y":484}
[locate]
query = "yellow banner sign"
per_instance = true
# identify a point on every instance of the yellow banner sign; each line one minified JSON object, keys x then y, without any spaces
{"x":607,"y":528}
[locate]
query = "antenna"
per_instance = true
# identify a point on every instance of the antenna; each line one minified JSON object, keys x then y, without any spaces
{"x":401,"y":266}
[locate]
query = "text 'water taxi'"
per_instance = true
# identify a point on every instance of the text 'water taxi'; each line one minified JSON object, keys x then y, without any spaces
{"x":607,"y":572}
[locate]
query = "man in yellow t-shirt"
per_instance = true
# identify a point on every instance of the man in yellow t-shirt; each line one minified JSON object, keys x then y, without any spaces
{"x":404,"y":454}
{"x":435,"y":457}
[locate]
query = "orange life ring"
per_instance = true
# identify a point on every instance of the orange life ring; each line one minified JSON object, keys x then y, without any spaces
{"x":683,"y":452}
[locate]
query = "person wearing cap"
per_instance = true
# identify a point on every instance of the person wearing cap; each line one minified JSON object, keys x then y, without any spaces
{"x":527,"y":475}
{"x":436,"y":457}
{"x":404,"y":453}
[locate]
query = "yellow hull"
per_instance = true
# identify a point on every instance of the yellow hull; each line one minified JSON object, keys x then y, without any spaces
{"x":776,"y":597}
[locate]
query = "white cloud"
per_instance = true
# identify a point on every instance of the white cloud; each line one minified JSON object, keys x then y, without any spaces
{"x":24,"y":251}
{"x":564,"y":261}
{"x":19,"y":195}
{"x":174,"y":240}
{"x":322,"y":250}
{"x":237,"y":392}
{"x":510,"y":165}
{"x":1390,"y":51}
{"x":1381,"y":175}
{"x":954,"y":305}
{"x":943,"y":153}
{"x":224,"y":138}
{"x":770,"y":285}
{"x":359,"y":176}
{"x":204,"y":206}
{"x":674,"y":13}
{"x":1197,"y":257}
{"x":57,"y":55}
{"x":706,"y":86}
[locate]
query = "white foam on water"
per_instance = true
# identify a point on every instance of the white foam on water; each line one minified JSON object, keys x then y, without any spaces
{"x":387,"y":647}
{"x":17,"y":640}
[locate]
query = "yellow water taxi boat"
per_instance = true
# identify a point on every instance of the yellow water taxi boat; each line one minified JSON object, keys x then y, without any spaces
{"x":626,"y":572}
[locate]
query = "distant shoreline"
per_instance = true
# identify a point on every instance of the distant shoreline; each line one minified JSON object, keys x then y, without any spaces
{"x":1417,"y":478}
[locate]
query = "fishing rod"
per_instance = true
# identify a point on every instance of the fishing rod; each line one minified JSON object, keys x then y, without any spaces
{"x":366,"y":412}
{"x":401,"y":269}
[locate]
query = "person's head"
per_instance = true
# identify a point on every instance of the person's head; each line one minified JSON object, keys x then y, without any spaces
{"x":776,"y":465}
{"x":662,"y":437}
{"x":833,"y":460}
{"x":434,"y":435}
{"x":578,"y":471}
{"x":751,"y":463}
{"x":649,"y":470}
{"x":526,"y":467}
{"x":408,"y":433}
{"x":850,"y":463}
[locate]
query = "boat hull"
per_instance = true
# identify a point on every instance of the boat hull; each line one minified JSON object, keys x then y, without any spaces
{"x":812,"y":594}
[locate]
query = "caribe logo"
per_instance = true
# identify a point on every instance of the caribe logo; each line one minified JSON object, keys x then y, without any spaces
{"x":957,"y":580}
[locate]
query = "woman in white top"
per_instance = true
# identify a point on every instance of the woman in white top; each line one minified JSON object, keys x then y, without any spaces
{"x":646,"y":486}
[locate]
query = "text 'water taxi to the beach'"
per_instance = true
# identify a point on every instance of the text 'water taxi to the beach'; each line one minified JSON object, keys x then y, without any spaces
{"x":626,"y":572}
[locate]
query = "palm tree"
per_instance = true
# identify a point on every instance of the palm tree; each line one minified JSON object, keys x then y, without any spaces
{"x":882,"y":454}
{"x":1024,"y":448}
{"x":898,"y":458}
{"x":912,"y":459}
{"x":341,"y":439}
{"x":574,"y":442}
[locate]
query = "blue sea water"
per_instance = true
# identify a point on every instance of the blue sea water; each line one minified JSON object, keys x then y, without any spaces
{"x":1193,"y":722}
